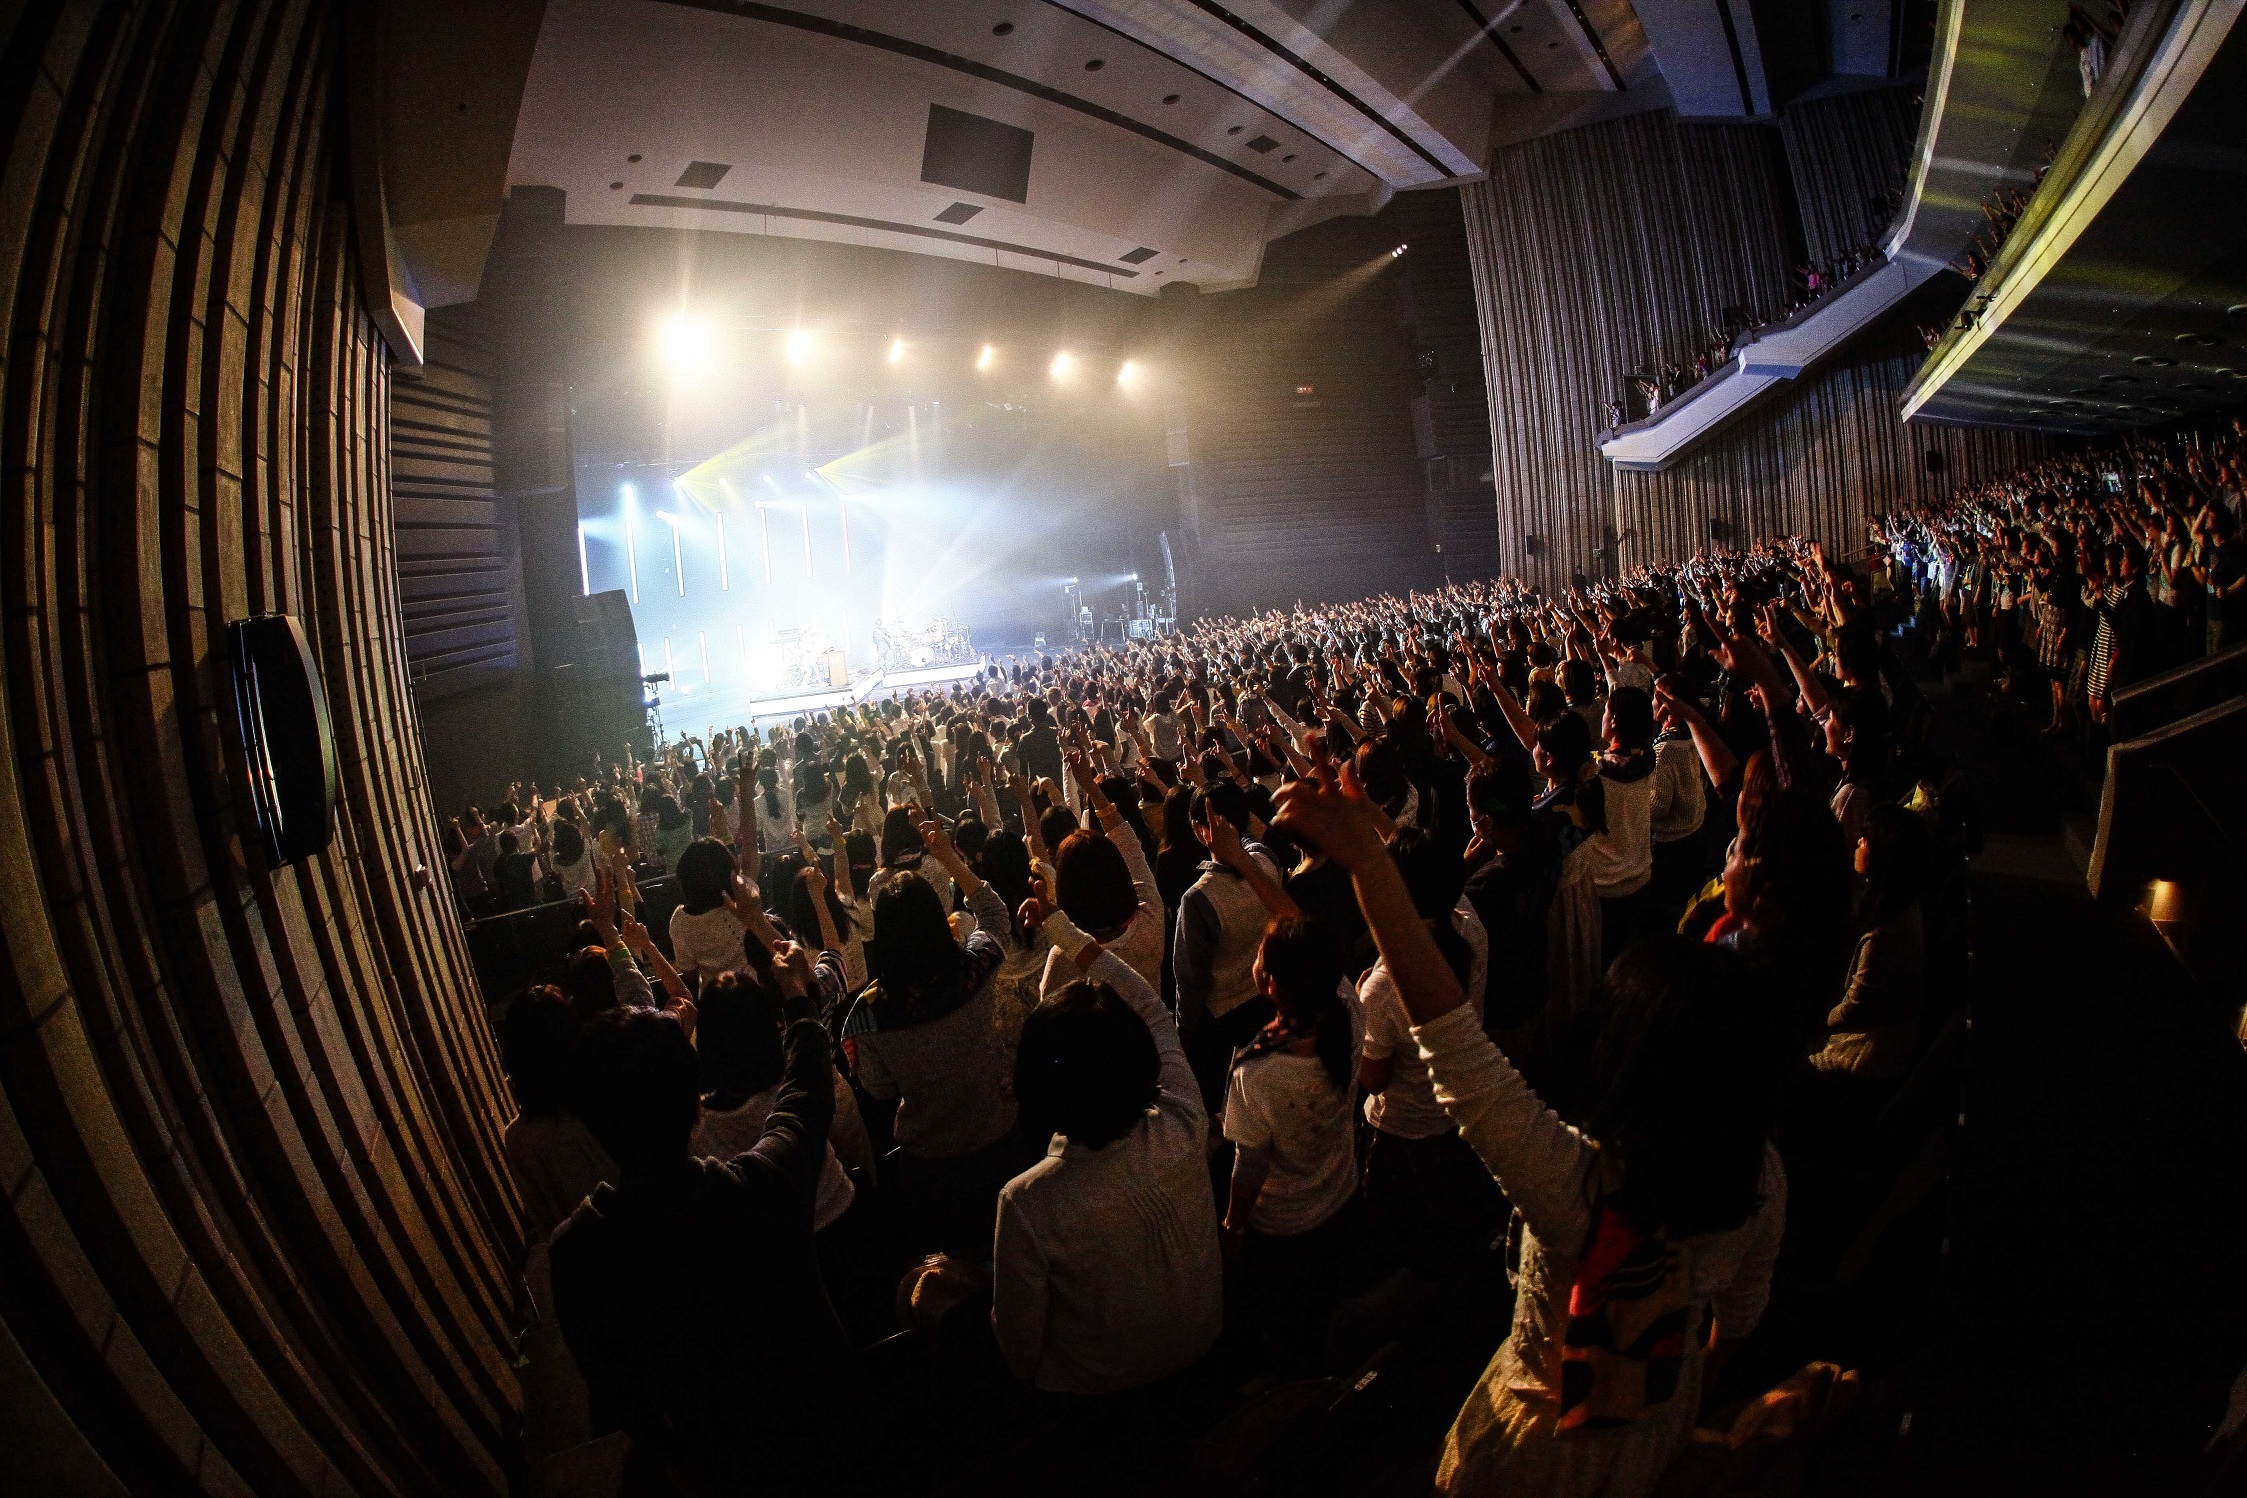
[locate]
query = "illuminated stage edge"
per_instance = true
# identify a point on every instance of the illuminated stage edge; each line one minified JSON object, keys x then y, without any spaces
{"x":763,"y":709}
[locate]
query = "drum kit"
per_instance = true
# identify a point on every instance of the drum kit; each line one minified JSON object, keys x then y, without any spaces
{"x":937,"y":643}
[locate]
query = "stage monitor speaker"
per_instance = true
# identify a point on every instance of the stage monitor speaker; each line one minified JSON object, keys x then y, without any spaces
{"x":287,"y":741}
{"x":608,"y":644}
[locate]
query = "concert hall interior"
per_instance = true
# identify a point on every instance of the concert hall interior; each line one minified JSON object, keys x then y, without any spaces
{"x":1348,"y":748}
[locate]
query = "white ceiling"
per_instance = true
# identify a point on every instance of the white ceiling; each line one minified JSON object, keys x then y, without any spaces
{"x":818,"y":109}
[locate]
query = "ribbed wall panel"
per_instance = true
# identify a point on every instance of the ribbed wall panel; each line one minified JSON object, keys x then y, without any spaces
{"x":1599,"y":250}
{"x":1848,"y":154}
{"x":459,"y":571}
{"x":1316,"y":497}
{"x":257,"y":1234}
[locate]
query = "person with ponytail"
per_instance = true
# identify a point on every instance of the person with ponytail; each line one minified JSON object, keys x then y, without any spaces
{"x":1290,"y":1217}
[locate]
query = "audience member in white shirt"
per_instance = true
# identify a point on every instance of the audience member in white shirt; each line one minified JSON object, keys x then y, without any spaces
{"x":1107,"y":1273}
{"x":1288,"y":1112}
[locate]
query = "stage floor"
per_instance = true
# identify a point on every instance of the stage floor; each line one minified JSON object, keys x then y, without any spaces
{"x":697,"y":711}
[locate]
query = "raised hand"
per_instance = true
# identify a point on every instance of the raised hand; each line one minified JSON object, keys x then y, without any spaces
{"x":1332,"y":813}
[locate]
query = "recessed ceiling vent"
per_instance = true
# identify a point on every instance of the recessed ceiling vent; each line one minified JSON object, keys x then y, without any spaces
{"x":704,"y":174}
{"x":1139,"y":256}
{"x":959,"y":213}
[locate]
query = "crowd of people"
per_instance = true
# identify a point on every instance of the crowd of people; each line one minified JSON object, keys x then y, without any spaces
{"x":2084,"y":573}
{"x":1165,"y":1002}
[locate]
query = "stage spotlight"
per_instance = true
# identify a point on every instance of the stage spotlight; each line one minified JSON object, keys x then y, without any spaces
{"x":799,"y":346}
{"x":1398,"y":252}
{"x":687,"y":345}
{"x":897,"y":351}
{"x":987,"y":358}
{"x":1128,"y":374}
{"x":1061,"y":365}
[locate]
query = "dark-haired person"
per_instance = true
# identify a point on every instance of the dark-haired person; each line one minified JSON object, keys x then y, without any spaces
{"x":1621,"y":852}
{"x":705,"y":933}
{"x":1290,"y":1117}
{"x":926,"y":1033}
{"x":826,"y":909}
{"x":1572,"y":810}
{"x":1874,"y":1030}
{"x":737,"y":1039}
{"x":1101,"y":880}
{"x":1429,"y":1203}
{"x":573,"y":853}
{"x":1221,"y":921}
{"x":1106,"y":1273}
{"x":688,"y":1289}
{"x":514,"y":878}
{"x":1648,"y":1238}
{"x":553,"y":1159}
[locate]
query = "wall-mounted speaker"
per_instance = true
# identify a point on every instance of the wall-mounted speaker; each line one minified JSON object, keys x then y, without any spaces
{"x":288,"y":743}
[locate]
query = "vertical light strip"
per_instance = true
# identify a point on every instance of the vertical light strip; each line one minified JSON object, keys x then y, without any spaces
{"x":807,"y":540}
{"x":723,"y":584}
{"x":668,"y":668}
{"x":702,"y":642}
{"x":584,"y":571}
{"x":632,"y":558}
{"x":764,"y":539}
{"x":678,"y":559}
{"x":842,"y":513}
{"x":741,"y":643}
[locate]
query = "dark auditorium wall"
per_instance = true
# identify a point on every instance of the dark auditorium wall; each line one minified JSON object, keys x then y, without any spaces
{"x":1317,"y":496}
{"x":257,"y":1233}
{"x":1607,"y":249}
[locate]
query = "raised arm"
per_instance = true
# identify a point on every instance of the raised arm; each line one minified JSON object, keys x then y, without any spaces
{"x":1538,"y":1160}
{"x":794,"y":1143}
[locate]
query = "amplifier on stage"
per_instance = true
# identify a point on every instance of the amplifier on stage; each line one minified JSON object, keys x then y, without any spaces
{"x":838,"y":670}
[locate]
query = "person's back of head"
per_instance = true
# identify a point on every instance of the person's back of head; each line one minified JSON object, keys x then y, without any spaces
{"x":507,"y":843}
{"x":705,"y":873}
{"x":737,"y":1036}
{"x":1563,"y":746}
{"x":912,"y":947}
{"x":1085,"y":1068}
{"x":535,"y":1044}
{"x":1578,"y":681}
{"x":1545,"y":703}
{"x":1221,"y":798}
{"x":1630,"y":717}
{"x":1092,"y":884}
{"x":1178,"y":819}
{"x":589,"y":982}
{"x":1299,"y":968}
{"x":1381,"y":771}
{"x":1436,"y":880}
{"x":1685,"y":1079}
{"x":639,"y":1088}
{"x":1006,"y":868}
{"x":1057,"y":825}
{"x":569,"y":842}
{"x":901,"y":837}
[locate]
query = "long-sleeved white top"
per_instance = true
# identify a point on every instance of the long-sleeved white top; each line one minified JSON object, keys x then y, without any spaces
{"x":1106,"y":1271}
{"x":1543,"y":1165}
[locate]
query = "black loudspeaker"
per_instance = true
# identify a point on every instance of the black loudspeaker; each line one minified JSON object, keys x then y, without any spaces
{"x":287,"y":741}
{"x":608,"y":644}
{"x":1934,"y":460}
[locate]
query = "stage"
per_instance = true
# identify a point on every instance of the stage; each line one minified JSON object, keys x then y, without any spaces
{"x":696,"y":711}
